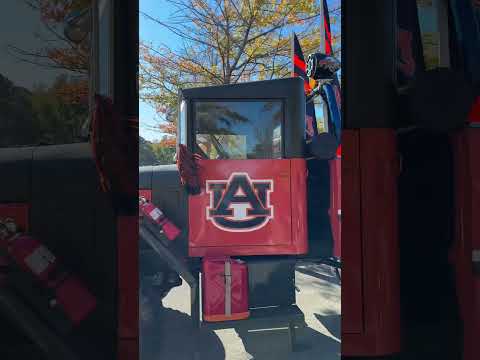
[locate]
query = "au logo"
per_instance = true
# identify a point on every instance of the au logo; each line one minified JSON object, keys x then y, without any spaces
{"x":239,"y":204}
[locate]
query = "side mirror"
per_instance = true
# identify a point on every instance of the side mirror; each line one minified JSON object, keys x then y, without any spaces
{"x":323,"y":146}
{"x":77,"y":25}
{"x":321,"y":66}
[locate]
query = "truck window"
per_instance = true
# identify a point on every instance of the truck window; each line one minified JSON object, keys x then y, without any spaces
{"x":433,"y":21}
{"x":239,"y":129}
{"x":321,"y":113}
{"x":44,"y":75}
{"x":182,"y":123}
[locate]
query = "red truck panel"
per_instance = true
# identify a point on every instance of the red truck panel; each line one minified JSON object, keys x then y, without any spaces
{"x":370,"y":279}
{"x":336,"y":204}
{"x":474,"y":116}
{"x":249,"y":207}
{"x":19,"y":213}
{"x":128,"y":287}
{"x":467,"y":240}
{"x":352,"y":297}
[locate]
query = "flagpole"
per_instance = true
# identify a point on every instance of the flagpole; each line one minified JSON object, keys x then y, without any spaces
{"x":292,"y":54}
{"x":322,"y":28}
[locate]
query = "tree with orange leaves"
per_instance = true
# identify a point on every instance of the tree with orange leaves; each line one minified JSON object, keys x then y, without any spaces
{"x":223,"y":42}
{"x":58,"y":101}
{"x":59,"y":52}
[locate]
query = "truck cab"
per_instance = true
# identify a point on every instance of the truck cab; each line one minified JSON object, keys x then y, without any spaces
{"x":253,"y":173}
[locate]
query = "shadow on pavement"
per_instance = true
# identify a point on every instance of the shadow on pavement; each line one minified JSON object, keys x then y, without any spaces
{"x":319,"y":272}
{"x":274,"y":345}
{"x":332,"y":323}
{"x":169,"y":335}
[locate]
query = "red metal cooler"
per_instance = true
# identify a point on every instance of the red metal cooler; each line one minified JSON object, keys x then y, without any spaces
{"x":225,"y":289}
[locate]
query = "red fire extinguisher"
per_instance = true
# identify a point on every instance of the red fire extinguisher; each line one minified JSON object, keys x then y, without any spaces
{"x":33,"y":257}
{"x":155,"y":214}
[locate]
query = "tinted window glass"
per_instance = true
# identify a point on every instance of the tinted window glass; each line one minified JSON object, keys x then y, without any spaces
{"x":433,"y":21}
{"x":44,"y":71}
{"x":239,"y":129}
{"x":321,"y":113}
{"x":182,"y":124}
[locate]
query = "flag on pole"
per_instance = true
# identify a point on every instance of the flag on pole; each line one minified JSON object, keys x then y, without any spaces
{"x":328,"y":32}
{"x":333,"y":91}
{"x":299,"y":70}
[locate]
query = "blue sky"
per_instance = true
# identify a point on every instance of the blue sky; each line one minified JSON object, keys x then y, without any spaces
{"x":151,"y":32}
{"x":154,"y":33}
{"x":22,"y":73}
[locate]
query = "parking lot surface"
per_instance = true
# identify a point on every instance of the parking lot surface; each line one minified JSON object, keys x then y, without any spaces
{"x":170,"y":336}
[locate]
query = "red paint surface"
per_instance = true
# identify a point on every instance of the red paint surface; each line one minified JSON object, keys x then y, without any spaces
{"x":147,"y":194}
{"x":18,"y":212}
{"x":213,"y":286}
{"x":467,"y":173}
{"x":299,"y":206}
{"x":474,"y":116}
{"x":73,"y":297}
{"x":285,"y":233}
{"x":474,"y":151}
{"x":128,"y":320}
{"x":336,"y":204}
{"x":352,"y":297}
{"x":128,"y":349}
{"x":370,"y":278}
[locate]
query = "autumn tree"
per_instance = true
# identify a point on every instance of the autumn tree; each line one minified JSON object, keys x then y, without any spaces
{"x":59,"y":104}
{"x":56,"y":51}
{"x":223,"y":42}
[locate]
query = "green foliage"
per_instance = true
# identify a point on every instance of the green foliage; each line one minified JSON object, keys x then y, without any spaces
{"x":53,"y":114}
{"x":165,"y":155}
{"x":57,"y":121}
{"x":39,"y":116}
{"x":145,"y":153}
{"x":155,"y":153}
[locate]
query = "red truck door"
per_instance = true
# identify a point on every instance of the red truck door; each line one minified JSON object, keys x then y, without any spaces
{"x":336,"y":204}
{"x":370,"y":276}
{"x":466,"y":253}
{"x":249,"y":207}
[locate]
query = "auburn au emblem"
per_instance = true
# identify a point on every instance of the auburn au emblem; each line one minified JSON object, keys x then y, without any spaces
{"x":239,"y":204}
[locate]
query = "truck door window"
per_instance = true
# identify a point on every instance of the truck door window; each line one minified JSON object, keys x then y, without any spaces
{"x":44,"y":74}
{"x":321,"y":113}
{"x":433,"y":21}
{"x":182,"y":123}
{"x":239,"y":129}
{"x":104,"y":48}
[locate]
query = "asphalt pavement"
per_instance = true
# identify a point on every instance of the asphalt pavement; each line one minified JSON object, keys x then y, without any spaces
{"x":168,"y":335}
